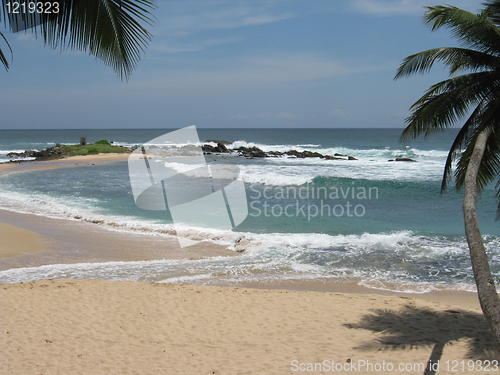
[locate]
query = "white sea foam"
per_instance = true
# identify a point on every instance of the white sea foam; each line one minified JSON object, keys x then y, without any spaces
{"x":186,"y":279}
{"x":288,"y":171}
{"x":378,"y":152}
{"x":5,"y":152}
{"x":282,"y":257}
{"x":181,"y":167}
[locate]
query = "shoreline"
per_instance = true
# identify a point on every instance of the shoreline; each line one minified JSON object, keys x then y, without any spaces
{"x":70,"y":243}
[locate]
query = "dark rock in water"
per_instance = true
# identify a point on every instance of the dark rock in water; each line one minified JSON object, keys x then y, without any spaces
{"x":252,"y":152}
{"x":208,"y":148}
{"x":295,"y":153}
{"x":219,"y":149}
{"x":25,"y":154}
{"x":274,"y":153}
{"x":222,"y":148}
{"x":351,"y":158}
{"x":337,"y":154}
{"x":304,"y":154}
{"x":405,"y":159}
{"x":13,"y":155}
{"x":49,"y":153}
{"x":54,"y":152}
{"x":390,"y":160}
{"x":330,"y":157}
{"x":255,"y":152}
{"x":310,"y":154}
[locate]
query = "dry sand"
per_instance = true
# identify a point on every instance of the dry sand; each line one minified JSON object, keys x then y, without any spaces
{"x":71,"y":161}
{"x":106,"y":327}
{"x":98,"y":157}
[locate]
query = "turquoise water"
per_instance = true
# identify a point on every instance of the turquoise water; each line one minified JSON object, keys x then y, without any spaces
{"x":379,"y":223}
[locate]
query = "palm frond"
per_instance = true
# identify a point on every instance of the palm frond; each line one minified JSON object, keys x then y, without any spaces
{"x":461,"y":138}
{"x":3,"y":58}
{"x":109,"y":29}
{"x":492,"y":10}
{"x":490,"y":163}
{"x":477,"y":31}
{"x":457,"y":59}
{"x":112,"y":30}
{"x":447,"y":101}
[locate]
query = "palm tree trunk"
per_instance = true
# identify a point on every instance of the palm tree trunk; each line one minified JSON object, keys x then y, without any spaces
{"x":486,"y":291}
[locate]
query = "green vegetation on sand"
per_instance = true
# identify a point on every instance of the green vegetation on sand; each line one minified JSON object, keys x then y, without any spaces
{"x":100,"y":147}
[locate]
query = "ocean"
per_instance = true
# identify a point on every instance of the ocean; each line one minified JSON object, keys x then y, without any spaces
{"x":377,"y":223}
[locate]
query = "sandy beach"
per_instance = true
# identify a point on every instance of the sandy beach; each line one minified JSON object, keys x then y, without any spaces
{"x":118,"y":327}
{"x":71,"y":161}
{"x":105,"y":327}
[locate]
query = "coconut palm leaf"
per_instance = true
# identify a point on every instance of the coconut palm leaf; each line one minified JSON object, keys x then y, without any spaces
{"x":112,"y":30}
{"x":490,"y":164}
{"x":476,"y":31}
{"x":446,"y":102}
{"x":457,"y":59}
{"x":3,"y":58}
{"x":456,"y":147}
{"x":492,"y":10}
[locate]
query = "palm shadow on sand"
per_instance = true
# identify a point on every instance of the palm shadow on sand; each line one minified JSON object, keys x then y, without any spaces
{"x":413,"y":327}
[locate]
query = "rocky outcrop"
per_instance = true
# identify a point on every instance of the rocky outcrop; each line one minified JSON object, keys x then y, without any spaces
{"x":251,"y":152}
{"x":304,"y":154}
{"x":405,"y":159}
{"x":255,"y":152}
{"x":330,"y":157}
{"x":50,"y":153}
{"x":220,"y":148}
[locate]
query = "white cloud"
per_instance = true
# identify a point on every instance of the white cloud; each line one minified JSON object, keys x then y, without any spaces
{"x":402,"y":7}
{"x":193,"y":46}
{"x":193,"y":16}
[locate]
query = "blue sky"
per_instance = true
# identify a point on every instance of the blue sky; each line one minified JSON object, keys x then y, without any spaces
{"x":231,"y":64}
